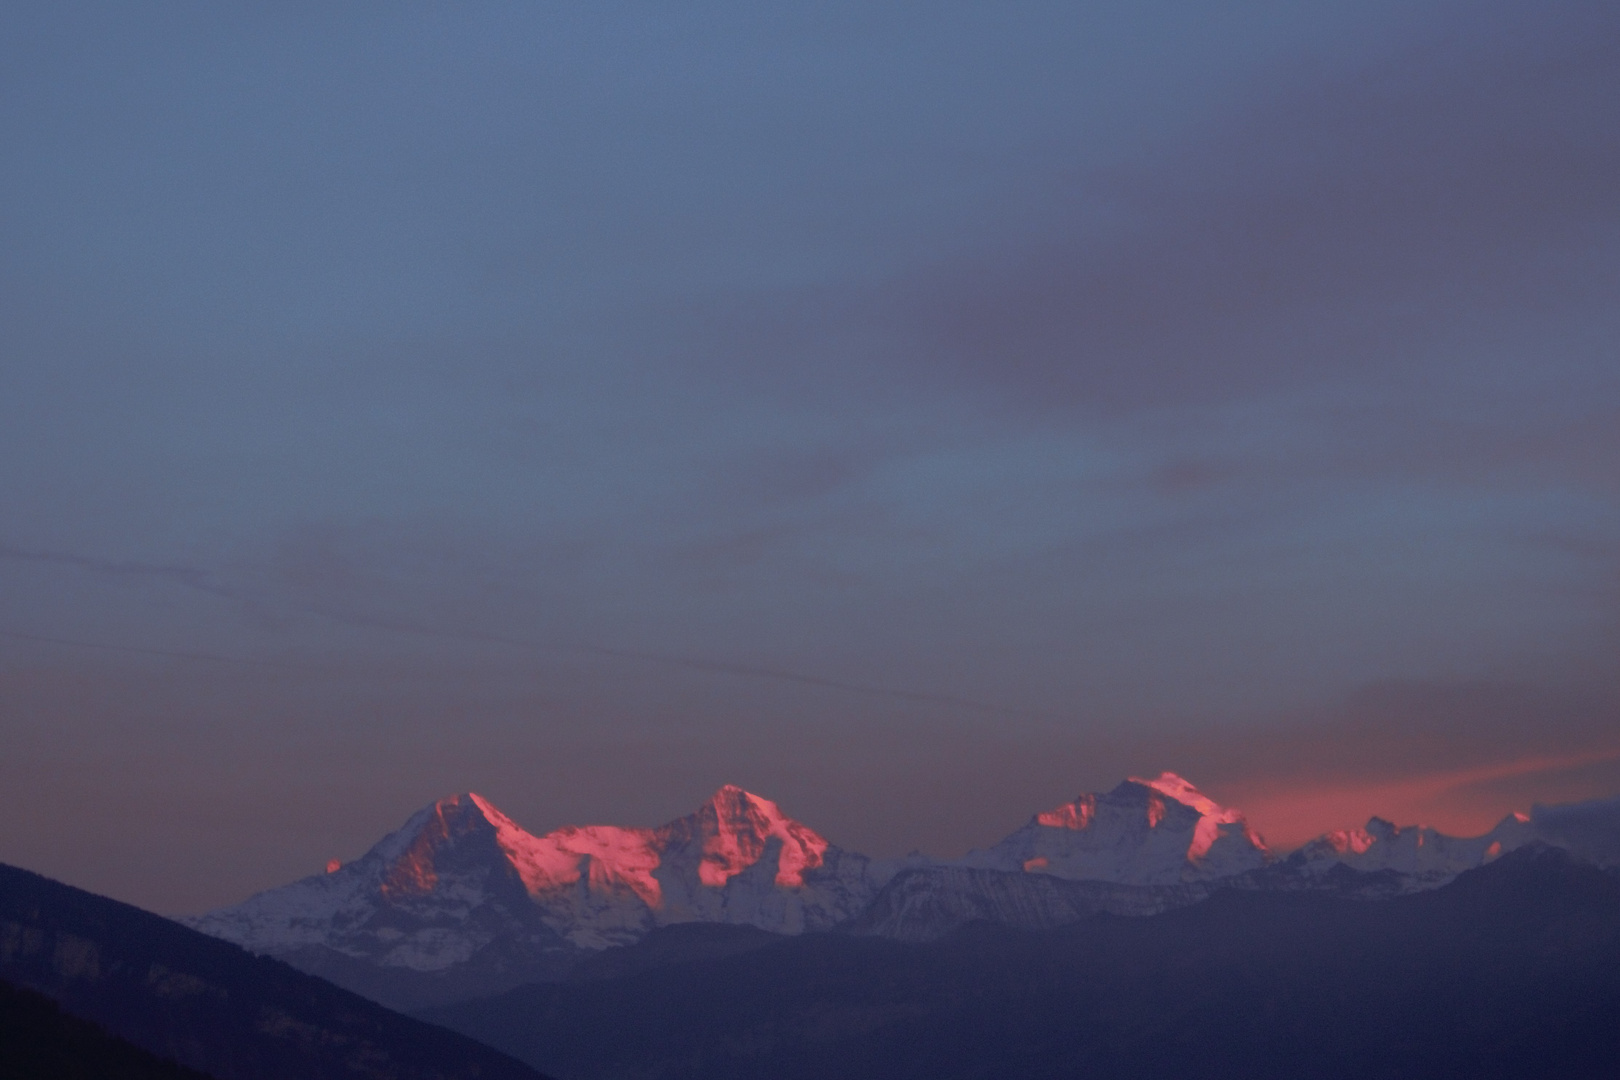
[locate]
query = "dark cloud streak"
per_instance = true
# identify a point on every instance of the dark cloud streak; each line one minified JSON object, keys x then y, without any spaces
{"x":1335,"y":226}
{"x":138,"y":650}
{"x":189,"y":576}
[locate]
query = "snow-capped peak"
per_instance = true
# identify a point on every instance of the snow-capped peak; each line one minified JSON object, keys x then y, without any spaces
{"x":743,"y":824}
{"x":1212,"y":814}
{"x":609,"y":858}
{"x":1350,"y":841}
{"x":409,"y":862}
{"x":1155,"y":831}
{"x":1181,"y":790}
{"x":462,"y":861}
{"x":463,"y":896}
{"x":734,"y":828}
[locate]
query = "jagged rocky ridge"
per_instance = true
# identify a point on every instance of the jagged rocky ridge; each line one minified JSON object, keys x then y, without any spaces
{"x":462,"y":902}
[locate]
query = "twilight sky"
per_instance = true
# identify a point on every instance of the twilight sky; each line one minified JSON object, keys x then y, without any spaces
{"x":917,"y":413}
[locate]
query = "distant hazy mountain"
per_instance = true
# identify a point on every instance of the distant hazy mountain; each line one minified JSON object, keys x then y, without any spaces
{"x":1511,"y":970}
{"x":462,"y":902}
{"x":1422,"y":856}
{"x":924,"y":903}
{"x":209,"y":1005}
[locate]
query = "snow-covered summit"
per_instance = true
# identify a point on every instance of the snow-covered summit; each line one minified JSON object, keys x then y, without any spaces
{"x":736,"y":859}
{"x":427,"y":897}
{"x":1161,"y":831}
{"x":461,"y":875}
{"x":462,"y":901}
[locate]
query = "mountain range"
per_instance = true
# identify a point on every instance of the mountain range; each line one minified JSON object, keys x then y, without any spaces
{"x":1143,"y":930}
{"x":461,"y":902}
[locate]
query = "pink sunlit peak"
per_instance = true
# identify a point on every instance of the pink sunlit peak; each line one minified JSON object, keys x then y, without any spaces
{"x":413,"y":872}
{"x":610,"y":858}
{"x":1212,"y":814}
{"x":744,"y":823}
{"x":1181,"y":790}
{"x":1351,"y":840}
{"x":734,"y":828}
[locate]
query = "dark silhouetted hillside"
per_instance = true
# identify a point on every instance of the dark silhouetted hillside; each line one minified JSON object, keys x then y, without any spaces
{"x":208,"y":1004}
{"x":39,"y":1041}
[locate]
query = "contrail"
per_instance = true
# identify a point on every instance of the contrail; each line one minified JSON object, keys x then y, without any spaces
{"x":199,"y":579}
{"x":142,"y":650}
{"x":190,"y":576}
{"x":716,"y":667}
{"x":694,"y":663}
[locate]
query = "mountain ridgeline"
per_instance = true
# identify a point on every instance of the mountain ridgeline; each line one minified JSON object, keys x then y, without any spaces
{"x":1142,"y":931}
{"x":461,"y":902}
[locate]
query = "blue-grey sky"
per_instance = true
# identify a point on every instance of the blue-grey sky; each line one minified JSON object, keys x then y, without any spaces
{"x":916,"y":413}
